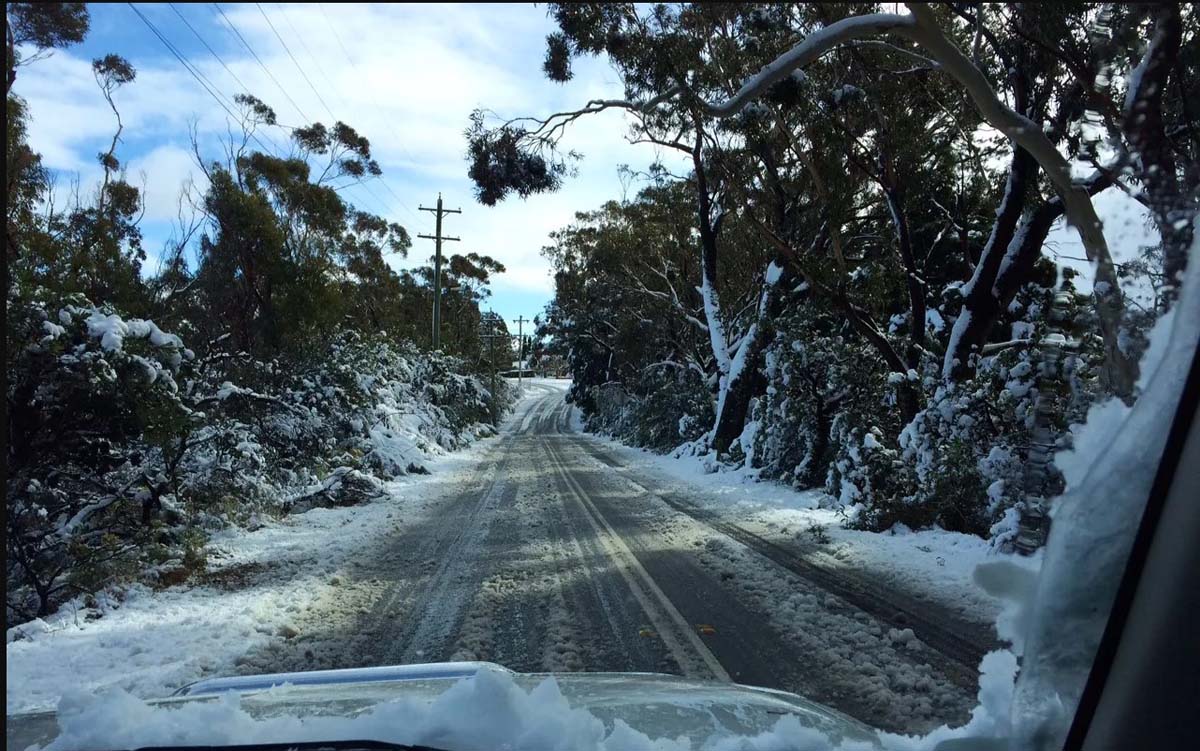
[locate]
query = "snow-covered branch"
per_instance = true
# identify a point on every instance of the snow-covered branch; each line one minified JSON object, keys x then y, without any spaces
{"x":813,"y":46}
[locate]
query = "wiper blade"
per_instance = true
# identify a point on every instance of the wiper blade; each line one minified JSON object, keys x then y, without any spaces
{"x":298,"y":746}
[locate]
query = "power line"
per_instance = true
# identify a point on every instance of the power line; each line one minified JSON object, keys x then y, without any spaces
{"x":213,"y":52}
{"x":403,"y":205}
{"x":370,"y":92}
{"x":311,"y":57}
{"x":281,"y":87}
{"x":316,"y":62}
{"x":209,"y":48}
{"x":261,"y":64}
{"x":325,"y":104}
{"x":229,"y":23}
{"x":187,"y":65}
{"x":209,"y":86}
{"x":295,"y":61}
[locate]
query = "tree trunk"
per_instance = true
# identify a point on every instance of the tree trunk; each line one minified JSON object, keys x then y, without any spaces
{"x":1144,"y":127}
{"x":711,"y":298}
{"x":738,"y":390}
{"x":894,"y":194}
{"x":981,"y":306}
{"x":746,"y":380}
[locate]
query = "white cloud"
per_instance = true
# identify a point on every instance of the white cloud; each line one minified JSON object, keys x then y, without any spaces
{"x":412,"y":75}
{"x":162,"y":173}
{"x":1127,"y":229}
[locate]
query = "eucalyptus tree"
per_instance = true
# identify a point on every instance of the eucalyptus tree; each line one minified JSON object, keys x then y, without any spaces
{"x":689,"y":69}
{"x":280,"y":245}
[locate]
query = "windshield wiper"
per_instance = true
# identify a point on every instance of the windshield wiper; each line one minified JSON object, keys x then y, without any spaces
{"x":298,"y":746}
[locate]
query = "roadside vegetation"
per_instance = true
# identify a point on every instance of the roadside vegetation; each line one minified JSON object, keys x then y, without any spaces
{"x":847,"y":271}
{"x":267,"y":360}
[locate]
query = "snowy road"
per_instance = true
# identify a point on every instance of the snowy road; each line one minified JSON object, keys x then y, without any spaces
{"x":550,"y":554}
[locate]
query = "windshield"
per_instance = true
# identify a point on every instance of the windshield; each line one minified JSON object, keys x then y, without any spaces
{"x":786,"y":346}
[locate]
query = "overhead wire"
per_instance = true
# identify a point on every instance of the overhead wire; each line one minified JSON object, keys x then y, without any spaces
{"x":380,"y":203}
{"x":283,"y":43}
{"x":212,"y":89}
{"x":203,"y":80}
{"x":371,"y":92}
{"x":320,"y":69}
{"x":316,"y":62}
{"x":218,"y":58}
{"x":296,"y":62}
{"x":261,"y":64}
{"x":374,"y":102}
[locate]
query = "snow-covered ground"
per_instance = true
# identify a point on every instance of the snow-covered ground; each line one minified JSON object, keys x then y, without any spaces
{"x":929,"y":564}
{"x":152,"y":642}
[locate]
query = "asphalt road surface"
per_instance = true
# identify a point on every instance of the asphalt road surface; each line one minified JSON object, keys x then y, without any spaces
{"x":552,"y":555}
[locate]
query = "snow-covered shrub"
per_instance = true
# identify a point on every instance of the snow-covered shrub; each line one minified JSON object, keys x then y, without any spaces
{"x":810,"y":379}
{"x":277,"y":428}
{"x":675,"y":407}
{"x":969,"y":447}
{"x":667,"y":406}
{"x":867,"y":477}
{"x":962,"y":463}
{"x":126,"y":447}
{"x":95,"y":416}
{"x":614,"y":409}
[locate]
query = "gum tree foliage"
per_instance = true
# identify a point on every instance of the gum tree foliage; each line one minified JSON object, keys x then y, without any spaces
{"x":280,"y":246}
{"x":273,"y":364}
{"x":91,"y":245}
{"x":625,"y":300}
{"x":836,"y":164}
{"x":465,"y":280}
{"x":42,"y":27}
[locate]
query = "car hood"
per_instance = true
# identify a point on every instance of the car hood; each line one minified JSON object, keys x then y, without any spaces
{"x":656,"y":704}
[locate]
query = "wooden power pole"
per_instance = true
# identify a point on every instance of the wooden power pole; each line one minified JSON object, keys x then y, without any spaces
{"x":439,"y":212}
{"x":491,"y":335}
{"x":520,"y":349}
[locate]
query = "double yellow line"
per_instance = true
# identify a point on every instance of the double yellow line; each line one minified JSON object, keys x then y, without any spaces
{"x":684,"y":643}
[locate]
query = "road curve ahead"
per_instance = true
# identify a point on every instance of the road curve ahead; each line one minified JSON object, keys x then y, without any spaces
{"x":551,"y":555}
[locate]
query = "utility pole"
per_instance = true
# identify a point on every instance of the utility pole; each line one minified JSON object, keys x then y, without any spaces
{"x":491,"y":336}
{"x":520,"y":349}
{"x":439,"y":212}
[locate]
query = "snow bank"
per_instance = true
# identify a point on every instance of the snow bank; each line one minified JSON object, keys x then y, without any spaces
{"x":152,"y":642}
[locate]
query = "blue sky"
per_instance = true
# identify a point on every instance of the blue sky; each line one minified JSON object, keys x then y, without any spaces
{"x":406,"y":76}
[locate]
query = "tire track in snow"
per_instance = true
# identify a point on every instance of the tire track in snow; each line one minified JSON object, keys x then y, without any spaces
{"x":438,"y":609}
{"x":824,"y":647}
{"x":598,"y":596}
{"x":882,"y":605}
{"x":442,"y":608}
{"x":694,"y":657}
{"x":519,"y":616}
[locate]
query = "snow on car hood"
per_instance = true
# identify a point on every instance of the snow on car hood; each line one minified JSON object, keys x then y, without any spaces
{"x":455,"y":706}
